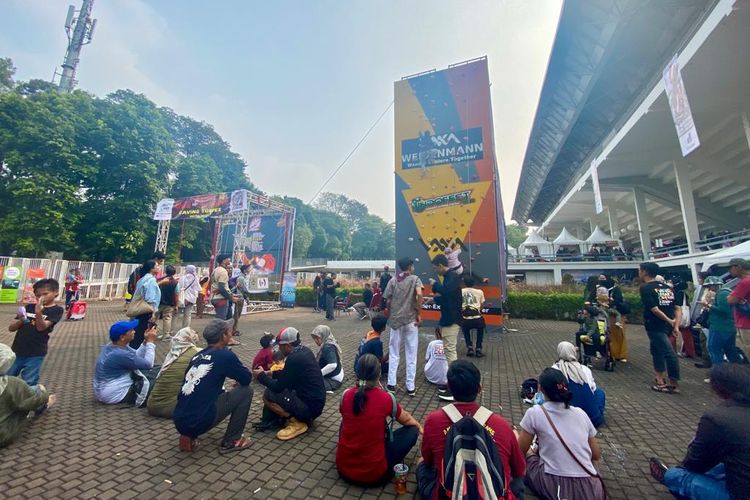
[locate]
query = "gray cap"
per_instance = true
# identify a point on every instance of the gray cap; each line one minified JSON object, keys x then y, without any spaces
{"x":743,"y":263}
{"x":215,"y":330}
{"x":288,"y":335}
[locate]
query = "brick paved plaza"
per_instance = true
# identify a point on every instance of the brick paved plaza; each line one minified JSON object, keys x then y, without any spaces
{"x":82,"y":449}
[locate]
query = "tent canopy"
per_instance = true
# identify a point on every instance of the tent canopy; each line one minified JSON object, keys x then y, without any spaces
{"x":566,"y":239}
{"x":599,"y":237}
{"x":535,"y":241}
{"x":741,"y":251}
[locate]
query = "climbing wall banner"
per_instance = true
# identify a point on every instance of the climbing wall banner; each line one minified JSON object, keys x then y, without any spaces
{"x":447,"y":188}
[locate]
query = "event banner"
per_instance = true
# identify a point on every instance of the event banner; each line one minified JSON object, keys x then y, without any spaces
{"x":11,"y":282}
{"x":263,"y":244}
{"x":289,"y":290}
{"x":32,"y":276}
{"x":200,"y":207}
{"x":447,"y":190}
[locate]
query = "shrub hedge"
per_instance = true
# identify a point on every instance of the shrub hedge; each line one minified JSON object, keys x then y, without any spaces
{"x":530,"y":305}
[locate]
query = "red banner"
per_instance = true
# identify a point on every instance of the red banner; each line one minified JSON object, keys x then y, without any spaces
{"x":200,"y":207}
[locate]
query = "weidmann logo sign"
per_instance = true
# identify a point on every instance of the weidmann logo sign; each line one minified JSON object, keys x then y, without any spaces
{"x":453,"y":147}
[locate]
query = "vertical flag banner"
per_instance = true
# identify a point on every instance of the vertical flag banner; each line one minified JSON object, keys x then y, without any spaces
{"x":598,"y":205}
{"x":447,"y":185}
{"x":678,"y":103}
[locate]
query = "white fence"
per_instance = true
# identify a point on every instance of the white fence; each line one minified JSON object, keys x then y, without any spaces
{"x":101,"y":280}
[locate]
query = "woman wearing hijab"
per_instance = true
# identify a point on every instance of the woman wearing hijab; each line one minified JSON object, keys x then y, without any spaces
{"x":163,"y":398}
{"x":329,"y":357}
{"x":17,"y":399}
{"x":586,"y":395}
{"x":190,"y":288}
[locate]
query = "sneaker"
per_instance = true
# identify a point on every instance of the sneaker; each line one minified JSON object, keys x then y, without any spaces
{"x":470,"y":352}
{"x":446,"y":396}
{"x":412,"y":393}
{"x":329,"y":392}
{"x":702,"y":365}
{"x":707,"y":380}
{"x":391,"y":389}
{"x":442,"y":389}
{"x":293,"y":429}
{"x":623,"y":360}
{"x":657,"y":468}
{"x":479,"y":354}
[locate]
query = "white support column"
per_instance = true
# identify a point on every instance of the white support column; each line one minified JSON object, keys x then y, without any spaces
{"x":687,"y":206}
{"x":162,"y":236}
{"x":614,"y":226}
{"x":579,"y":233}
{"x":557,"y":275}
{"x":641,"y":215}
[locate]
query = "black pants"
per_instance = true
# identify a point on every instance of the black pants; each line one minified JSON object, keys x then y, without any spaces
{"x":237,"y":404}
{"x":140,"y":330}
{"x":473,"y":324}
{"x":404,"y":440}
{"x":330,"y":301}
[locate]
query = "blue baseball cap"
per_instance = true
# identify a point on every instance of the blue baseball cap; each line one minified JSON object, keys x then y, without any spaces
{"x":120,"y":328}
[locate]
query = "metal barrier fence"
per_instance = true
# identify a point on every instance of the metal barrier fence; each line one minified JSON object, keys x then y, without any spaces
{"x":101,"y":280}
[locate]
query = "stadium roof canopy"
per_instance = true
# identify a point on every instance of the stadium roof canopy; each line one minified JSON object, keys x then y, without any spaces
{"x":603,"y":100}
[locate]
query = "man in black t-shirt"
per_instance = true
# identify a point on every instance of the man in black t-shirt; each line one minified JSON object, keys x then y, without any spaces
{"x":329,"y":286}
{"x":33,"y":324}
{"x":297,"y":393}
{"x":168,"y":304}
{"x":661,"y":318}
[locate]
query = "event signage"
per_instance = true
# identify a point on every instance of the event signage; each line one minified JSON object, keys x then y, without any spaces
{"x":32,"y":276}
{"x":446,"y":182}
{"x":201,"y":207}
{"x":164,"y":209}
{"x":598,"y":204}
{"x":11,"y":282}
{"x":680,"y":107}
{"x":289,"y":290}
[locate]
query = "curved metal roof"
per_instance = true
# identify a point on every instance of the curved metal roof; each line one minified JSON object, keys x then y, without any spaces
{"x":605,"y":56}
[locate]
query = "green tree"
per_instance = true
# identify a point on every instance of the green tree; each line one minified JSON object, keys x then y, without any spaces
{"x":515,"y":234}
{"x":7,"y":70}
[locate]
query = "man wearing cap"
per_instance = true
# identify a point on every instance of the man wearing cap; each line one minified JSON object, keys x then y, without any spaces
{"x":297,"y":393}
{"x":202,"y":402}
{"x":740,"y":268}
{"x":118,"y":376}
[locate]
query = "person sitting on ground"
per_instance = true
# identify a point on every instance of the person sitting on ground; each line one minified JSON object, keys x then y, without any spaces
{"x":297,"y":393}
{"x":123,"y":374}
{"x":464,"y":382}
{"x":17,"y":399}
{"x":277,"y":362}
{"x":554,"y":469}
{"x":163,"y":397}
{"x":586,"y":395}
{"x":717,"y":464}
{"x":435,"y":365}
{"x":329,"y":357}
{"x":363,"y":457}
{"x":264,"y":358}
{"x":373,"y":344}
{"x":361,"y":307}
{"x":471,"y":312}
{"x":202,"y":401}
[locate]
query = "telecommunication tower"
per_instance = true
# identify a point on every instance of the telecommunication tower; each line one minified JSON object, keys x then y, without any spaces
{"x":78,"y":36}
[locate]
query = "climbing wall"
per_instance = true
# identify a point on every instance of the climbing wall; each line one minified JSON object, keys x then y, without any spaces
{"x":447,"y":190}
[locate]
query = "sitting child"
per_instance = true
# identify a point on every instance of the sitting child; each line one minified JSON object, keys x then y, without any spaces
{"x":264,"y":358}
{"x":372,"y":344}
{"x":278,"y":362}
{"x":436,"y":365}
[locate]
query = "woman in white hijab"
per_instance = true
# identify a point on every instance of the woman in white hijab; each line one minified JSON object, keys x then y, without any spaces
{"x":329,"y":357}
{"x":163,"y":397}
{"x":586,"y":395}
{"x":17,"y":399}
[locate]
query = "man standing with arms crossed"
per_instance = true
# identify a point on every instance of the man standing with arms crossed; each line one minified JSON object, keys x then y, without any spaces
{"x":661,"y":318}
{"x":404,"y":296}
{"x":448,"y":296}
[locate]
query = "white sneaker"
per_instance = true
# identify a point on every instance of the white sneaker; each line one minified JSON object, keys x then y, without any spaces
{"x":707,"y":380}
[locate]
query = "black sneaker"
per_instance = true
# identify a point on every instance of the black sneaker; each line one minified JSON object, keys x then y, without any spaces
{"x":446,"y":396}
{"x":412,"y":393}
{"x":479,"y":354}
{"x":442,"y":389}
{"x":391,"y":388}
{"x":703,"y":365}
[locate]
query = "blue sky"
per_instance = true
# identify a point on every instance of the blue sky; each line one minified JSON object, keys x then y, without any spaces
{"x":293,"y":85}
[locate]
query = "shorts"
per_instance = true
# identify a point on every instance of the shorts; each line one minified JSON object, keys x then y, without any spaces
{"x":291,"y":403}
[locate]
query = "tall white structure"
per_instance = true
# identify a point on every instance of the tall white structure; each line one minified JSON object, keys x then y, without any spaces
{"x":80,"y":31}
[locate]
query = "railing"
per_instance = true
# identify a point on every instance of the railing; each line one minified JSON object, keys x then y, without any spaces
{"x":570,"y":258}
{"x":719,"y":242}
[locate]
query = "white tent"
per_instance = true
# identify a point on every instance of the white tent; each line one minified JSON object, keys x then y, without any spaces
{"x":543,"y":246}
{"x":565,"y":239}
{"x":599,"y":237}
{"x":741,"y":251}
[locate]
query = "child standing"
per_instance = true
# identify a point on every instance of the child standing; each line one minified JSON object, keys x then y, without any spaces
{"x":436,"y":366}
{"x":33,"y":324}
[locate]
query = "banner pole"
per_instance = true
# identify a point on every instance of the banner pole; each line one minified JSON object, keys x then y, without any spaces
{"x":214,"y":243}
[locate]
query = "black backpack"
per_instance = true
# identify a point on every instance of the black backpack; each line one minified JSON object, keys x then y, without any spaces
{"x":472,"y":469}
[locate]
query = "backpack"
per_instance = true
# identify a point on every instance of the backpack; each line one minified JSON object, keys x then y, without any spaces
{"x":472,"y":468}
{"x":133,"y":279}
{"x":529,"y":387}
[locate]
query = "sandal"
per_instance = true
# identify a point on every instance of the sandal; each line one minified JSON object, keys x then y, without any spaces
{"x":657,"y":468}
{"x":668,"y":389}
{"x":238,"y":445}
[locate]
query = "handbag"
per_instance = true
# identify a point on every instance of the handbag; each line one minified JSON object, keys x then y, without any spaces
{"x":565,"y":445}
{"x":685,"y":319}
{"x":138,"y":307}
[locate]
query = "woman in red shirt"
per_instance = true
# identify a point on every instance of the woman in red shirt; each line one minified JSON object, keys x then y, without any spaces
{"x":366,"y":453}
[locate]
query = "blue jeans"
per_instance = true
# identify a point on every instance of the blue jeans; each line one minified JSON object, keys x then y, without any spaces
{"x":27,"y":368}
{"x":721,"y":342}
{"x":711,"y":485}
{"x":601,"y":400}
{"x":663,"y":355}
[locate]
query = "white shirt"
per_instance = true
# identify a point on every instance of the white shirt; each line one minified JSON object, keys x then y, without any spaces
{"x":190,"y":285}
{"x":436,"y":366}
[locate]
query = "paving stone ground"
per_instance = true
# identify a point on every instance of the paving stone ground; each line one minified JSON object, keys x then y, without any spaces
{"x":82,"y":449}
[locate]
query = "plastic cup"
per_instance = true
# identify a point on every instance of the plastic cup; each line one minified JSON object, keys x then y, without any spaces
{"x":400,"y":473}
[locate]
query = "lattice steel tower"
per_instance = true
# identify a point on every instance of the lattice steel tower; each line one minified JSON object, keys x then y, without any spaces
{"x":78,"y":36}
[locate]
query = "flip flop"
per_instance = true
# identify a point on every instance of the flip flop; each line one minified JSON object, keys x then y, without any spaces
{"x":239,"y":445}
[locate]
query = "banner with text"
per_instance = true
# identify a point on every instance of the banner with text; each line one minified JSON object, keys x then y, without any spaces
{"x":680,"y":107}
{"x":202,"y":206}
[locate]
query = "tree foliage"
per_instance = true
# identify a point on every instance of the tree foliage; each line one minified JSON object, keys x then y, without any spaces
{"x":515,"y":234}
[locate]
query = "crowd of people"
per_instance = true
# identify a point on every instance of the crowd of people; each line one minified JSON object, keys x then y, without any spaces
{"x":553,"y":453}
